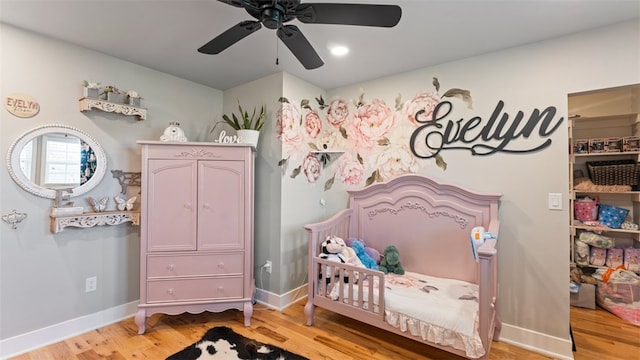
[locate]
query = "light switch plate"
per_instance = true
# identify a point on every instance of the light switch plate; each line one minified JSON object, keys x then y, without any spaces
{"x":555,"y":201}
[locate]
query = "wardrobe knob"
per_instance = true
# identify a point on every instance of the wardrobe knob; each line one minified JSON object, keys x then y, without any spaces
{"x":170,"y":267}
{"x":206,"y":206}
{"x":221,"y":265}
{"x":220,"y":289}
{"x":187,"y":205}
{"x":170,"y":291}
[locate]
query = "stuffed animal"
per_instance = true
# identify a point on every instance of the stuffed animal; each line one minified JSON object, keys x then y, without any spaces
{"x":332,"y":249}
{"x":365,"y":259}
{"x":390,"y":262}
{"x":351,"y":257}
{"x":578,"y":277}
{"x":373,"y":253}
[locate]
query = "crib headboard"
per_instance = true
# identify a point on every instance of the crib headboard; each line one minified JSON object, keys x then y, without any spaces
{"x":429,"y":222}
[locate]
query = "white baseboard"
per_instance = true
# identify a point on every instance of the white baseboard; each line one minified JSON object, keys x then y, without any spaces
{"x":23,"y":343}
{"x":280,"y":302}
{"x":537,"y":342}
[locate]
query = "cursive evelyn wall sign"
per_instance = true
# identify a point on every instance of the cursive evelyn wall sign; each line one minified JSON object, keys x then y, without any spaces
{"x":21,"y":105}
{"x":440,"y":133}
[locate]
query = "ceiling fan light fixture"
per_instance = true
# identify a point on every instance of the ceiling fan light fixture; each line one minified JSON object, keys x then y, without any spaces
{"x":339,"y":50}
{"x":272,"y":17}
{"x":275,"y":14}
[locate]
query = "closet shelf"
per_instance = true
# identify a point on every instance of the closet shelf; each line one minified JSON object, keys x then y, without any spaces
{"x":87,"y":104}
{"x":597,"y":229}
{"x":608,"y":154}
{"x":91,"y":219}
{"x":607,"y":192}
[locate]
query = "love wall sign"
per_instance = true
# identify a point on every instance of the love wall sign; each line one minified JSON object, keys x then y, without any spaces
{"x":21,"y":105}
{"x":484,"y":138}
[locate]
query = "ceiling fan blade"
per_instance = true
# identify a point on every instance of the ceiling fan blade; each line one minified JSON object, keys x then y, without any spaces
{"x":349,"y":14}
{"x":242,"y":3}
{"x":230,"y":37}
{"x":300,"y":46}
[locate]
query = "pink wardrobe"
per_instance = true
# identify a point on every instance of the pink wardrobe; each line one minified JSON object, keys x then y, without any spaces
{"x":196,"y":247}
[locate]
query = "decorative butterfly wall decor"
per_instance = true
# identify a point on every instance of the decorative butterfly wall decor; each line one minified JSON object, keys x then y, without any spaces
{"x":99,"y":205}
{"x":125,"y":205}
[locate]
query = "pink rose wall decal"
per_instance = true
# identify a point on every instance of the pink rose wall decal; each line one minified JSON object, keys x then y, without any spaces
{"x":374,"y":136}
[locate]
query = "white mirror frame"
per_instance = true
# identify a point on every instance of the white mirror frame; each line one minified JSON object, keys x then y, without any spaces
{"x":13,"y":160}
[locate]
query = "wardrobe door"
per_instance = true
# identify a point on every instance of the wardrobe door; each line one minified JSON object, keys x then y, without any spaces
{"x":172,"y":202}
{"x":221,"y":217}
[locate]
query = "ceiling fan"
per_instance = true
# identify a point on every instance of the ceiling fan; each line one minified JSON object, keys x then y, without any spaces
{"x":275,"y":13}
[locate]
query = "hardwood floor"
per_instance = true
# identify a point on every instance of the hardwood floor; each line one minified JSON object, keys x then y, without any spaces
{"x":598,"y":335}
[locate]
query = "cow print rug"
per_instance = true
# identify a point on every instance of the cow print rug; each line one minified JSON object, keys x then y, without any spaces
{"x":223,"y":343}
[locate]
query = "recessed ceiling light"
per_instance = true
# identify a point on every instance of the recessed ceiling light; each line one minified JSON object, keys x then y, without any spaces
{"x":339,"y":50}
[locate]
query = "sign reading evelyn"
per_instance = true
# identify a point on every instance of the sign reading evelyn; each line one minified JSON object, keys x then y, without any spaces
{"x":474,"y":136}
{"x":21,"y":105}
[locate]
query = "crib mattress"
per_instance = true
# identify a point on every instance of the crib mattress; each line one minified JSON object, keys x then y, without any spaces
{"x":441,"y":311}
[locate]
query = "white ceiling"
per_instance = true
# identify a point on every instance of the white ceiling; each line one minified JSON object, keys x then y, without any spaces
{"x":165,"y":34}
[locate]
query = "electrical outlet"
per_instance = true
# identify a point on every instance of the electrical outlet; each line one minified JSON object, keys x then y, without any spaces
{"x":268,"y":266}
{"x":91,"y":284}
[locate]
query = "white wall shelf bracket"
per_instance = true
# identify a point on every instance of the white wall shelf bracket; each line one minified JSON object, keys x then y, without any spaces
{"x":14,"y":218}
{"x":87,"y":104}
{"x":91,"y":219}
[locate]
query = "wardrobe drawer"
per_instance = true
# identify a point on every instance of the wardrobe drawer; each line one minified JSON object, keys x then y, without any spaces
{"x":195,"y":264}
{"x":195,"y":289}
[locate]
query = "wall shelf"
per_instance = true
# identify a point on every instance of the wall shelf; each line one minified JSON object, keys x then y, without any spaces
{"x":599,"y":230}
{"x":327,"y":156}
{"x":87,"y":104}
{"x":91,"y":219}
{"x":329,"y":152}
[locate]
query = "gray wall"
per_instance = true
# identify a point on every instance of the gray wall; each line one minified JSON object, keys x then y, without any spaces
{"x":268,"y":186}
{"x":40,"y":270}
{"x":533,"y":244}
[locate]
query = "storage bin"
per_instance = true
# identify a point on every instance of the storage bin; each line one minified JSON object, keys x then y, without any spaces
{"x":619,"y":298}
{"x":614,"y":172}
{"x":585,"y":297}
{"x":585,"y":210}
{"x":612,"y":216}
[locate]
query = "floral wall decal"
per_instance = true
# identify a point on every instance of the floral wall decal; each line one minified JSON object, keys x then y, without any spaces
{"x":374,"y":136}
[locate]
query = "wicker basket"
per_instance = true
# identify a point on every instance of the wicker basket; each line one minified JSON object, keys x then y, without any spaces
{"x":614,"y":172}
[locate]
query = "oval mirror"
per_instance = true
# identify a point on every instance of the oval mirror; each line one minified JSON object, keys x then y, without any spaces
{"x":53,"y":157}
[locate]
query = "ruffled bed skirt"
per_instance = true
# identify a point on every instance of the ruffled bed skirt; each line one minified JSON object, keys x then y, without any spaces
{"x":435,"y":334}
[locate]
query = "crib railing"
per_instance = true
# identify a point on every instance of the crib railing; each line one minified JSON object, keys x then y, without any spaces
{"x":350,"y":298}
{"x":348,"y":289}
